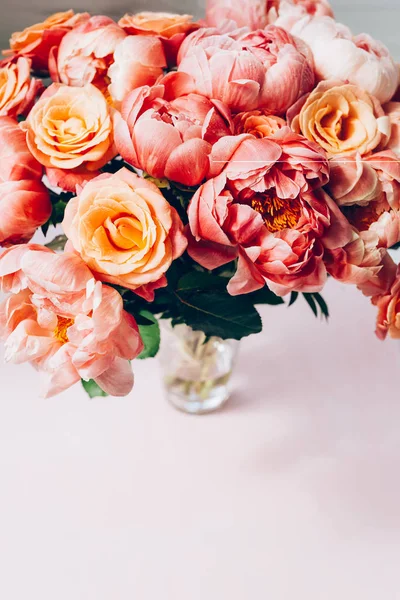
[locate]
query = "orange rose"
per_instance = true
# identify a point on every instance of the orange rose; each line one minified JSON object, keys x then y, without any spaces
{"x":17,"y":90}
{"x":258,"y":122}
{"x":125,"y":231}
{"x":171,"y":28}
{"x":36,"y":41}
{"x":70,"y":128}
{"x":342,"y":119}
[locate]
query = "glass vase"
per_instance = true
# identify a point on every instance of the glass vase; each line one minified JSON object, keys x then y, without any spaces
{"x":196,"y":369}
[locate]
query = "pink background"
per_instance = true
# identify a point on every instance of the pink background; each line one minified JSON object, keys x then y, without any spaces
{"x":291,"y":492}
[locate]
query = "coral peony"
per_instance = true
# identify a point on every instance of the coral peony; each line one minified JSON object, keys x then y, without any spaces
{"x":86,"y":53}
{"x":392,"y":110}
{"x":125,"y":231}
{"x":359,"y":60}
{"x":341,"y":118}
{"x":170,"y":139}
{"x":16,"y":161}
{"x":35,"y":42}
{"x":64,"y":323}
{"x":17,"y":90}
{"x":388,"y":320}
{"x":266,"y":207}
{"x":263,"y":69}
{"x":138,"y":61}
{"x":170,"y":28}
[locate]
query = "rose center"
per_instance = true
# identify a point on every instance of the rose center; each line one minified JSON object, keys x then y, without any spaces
{"x":277,"y":213}
{"x":61,"y":330}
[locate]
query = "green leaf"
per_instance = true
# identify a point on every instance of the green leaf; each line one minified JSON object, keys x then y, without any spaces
{"x":92,"y":389}
{"x":265,"y":296}
{"x":311,"y":303}
{"x":197,"y":280}
{"x":216,"y":313}
{"x":150,"y":331}
{"x":58,"y":243}
{"x":293,"y":298}
{"x":322,"y":304}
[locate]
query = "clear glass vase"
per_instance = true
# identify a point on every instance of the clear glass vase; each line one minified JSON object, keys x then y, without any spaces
{"x":196,"y":370}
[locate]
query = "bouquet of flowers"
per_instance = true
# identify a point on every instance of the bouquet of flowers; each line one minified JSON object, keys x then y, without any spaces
{"x":197,"y":169}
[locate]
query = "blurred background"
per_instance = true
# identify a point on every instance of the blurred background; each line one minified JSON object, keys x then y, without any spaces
{"x":380,"y":19}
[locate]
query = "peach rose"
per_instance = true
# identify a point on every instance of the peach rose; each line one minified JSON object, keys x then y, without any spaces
{"x":64,"y":323}
{"x":125,"y":231}
{"x":341,"y":118}
{"x":138,"y":61}
{"x":170,"y":140}
{"x":36,"y":41}
{"x":392,"y":110}
{"x":86,"y":53}
{"x":16,"y":161}
{"x":69,"y":129}
{"x":388,"y":320}
{"x":359,"y":60}
{"x":17,"y":90}
{"x":170,"y":28}
{"x":259,"y":123}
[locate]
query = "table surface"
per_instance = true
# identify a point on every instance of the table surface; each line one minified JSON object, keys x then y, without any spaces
{"x":291,"y":492}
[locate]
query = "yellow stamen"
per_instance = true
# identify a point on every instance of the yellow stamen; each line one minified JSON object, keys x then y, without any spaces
{"x":277,"y":213}
{"x":61,"y":331}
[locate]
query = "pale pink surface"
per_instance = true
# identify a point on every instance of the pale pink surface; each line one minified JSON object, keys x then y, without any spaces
{"x":291,"y":492}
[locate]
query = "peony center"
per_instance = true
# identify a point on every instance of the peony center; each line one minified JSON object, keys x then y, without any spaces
{"x":61,"y":330}
{"x":278,"y":213}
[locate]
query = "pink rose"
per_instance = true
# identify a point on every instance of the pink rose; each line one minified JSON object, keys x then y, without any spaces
{"x":359,"y":60}
{"x":266,"y":208}
{"x":125,"y":231}
{"x":35,"y":42}
{"x":362,"y":262}
{"x":16,"y":161}
{"x":65,"y":324}
{"x":388,"y":320}
{"x":263,"y":69}
{"x":138,"y":60}
{"x":17,"y":90}
{"x":170,"y":139}
{"x":171,"y":29}
{"x":24,"y":201}
{"x":86,"y":53}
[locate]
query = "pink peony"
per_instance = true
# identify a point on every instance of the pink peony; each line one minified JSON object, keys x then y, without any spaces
{"x":170,"y":139}
{"x":362,"y":262}
{"x":388,"y":320}
{"x":264,"y":69}
{"x":64,"y":323}
{"x":266,"y":208}
{"x":359,"y":60}
{"x":288,"y":12}
{"x":86,"y":53}
{"x":16,"y":161}
{"x":138,"y":60}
